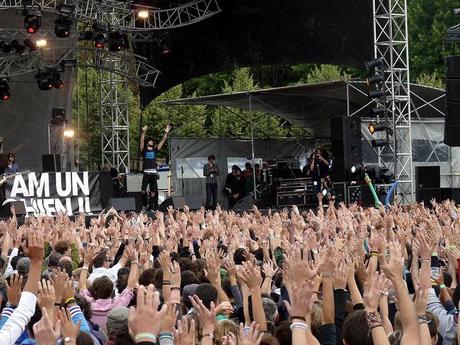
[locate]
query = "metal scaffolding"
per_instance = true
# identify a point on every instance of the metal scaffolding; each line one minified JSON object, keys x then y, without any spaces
{"x":122,"y":15}
{"x":391,"y":44}
{"x":114,"y":116}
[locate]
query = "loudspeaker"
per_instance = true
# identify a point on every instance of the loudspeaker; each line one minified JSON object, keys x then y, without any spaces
{"x":106,"y":188}
{"x":426,"y":194}
{"x":245,"y":204}
{"x":451,"y":194}
{"x":428,"y":177}
{"x":51,"y":163}
{"x":177,"y":202}
{"x":123,"y":204}
{"x":346,"y":146}
{"x":58,"y":116}
{"x":452,"y":120}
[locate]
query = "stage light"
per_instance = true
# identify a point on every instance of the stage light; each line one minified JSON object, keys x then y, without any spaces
{"x":118,"y":41}
{"x":379,"y":62}
{"x":378,"y":128}
{"x":69,"y":133}
{"x":376,"y":93}
{"x":380,"y":143}
{"x":143,"y":14}
{"x":62,"y":27}
{"x":30,"y":45}
{"x":4,"y":90}
{"x":376,"y":79}
{"x":377,"y":111}
{"x":18,"y":48}
{"x":48,"y":79}
{"x":41,"y":43}
{"x":356,"y":169}
{"x":86,"y":35}
{"x":99,"y":41}
{"x":65,"y":10}
{"x":6,"y":48}
{"x":32,"y":19}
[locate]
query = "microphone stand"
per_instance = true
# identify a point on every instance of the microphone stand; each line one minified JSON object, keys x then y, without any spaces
{"x":182,"y":179}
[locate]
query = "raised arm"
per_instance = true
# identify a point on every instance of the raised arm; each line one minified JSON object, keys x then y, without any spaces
{"x":142,"y":140}
{"x":165,"y":136}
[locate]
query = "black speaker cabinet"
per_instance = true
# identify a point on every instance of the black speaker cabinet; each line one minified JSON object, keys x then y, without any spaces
{"x":428,"y":177}
{"x":51,"y":163}
{"x":177,"y":202}
{"x":426,"y":194}
{"x":123,"y":204}
{"x":452,"y":120}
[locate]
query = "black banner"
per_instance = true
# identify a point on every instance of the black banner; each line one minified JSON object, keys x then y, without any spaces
{"x":53,"y":193}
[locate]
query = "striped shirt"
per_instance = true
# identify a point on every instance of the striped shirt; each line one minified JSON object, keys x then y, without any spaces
{"x":211,"y":173}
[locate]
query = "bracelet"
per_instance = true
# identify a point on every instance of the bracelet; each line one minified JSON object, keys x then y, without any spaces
{"x":442,"y":286}
{"x":422,"y":318}
{"x":375,"y":325}
{"x":57,"y":304}
{"x":145,"y":335}
{"x":373,"y":253}
{"x":372,"y":319}
{"x":166,"y":282}
{"x":175,"y":288}
{"x":426,"y":259}
{"x":165,"y":335}
{"x":328,"y":275}
{"x":69,"y":300}
{"x":298,"y":325}
{"x":299,"y":318}
{"x":209,"y":335}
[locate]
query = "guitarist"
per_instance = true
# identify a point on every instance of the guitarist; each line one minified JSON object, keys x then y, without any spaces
{"x":3,"y":166}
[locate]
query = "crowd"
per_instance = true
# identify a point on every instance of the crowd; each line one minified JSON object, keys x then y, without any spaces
{"x":339,"y":275}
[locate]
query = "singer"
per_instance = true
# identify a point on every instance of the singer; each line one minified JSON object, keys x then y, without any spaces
{"x":150,"y":176}
{"x":211,"y":171}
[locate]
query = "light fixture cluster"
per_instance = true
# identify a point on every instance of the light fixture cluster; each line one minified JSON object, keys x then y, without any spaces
{"x":15,"y":47}
{"x":376,"y":83}
{"x":49,"y":78}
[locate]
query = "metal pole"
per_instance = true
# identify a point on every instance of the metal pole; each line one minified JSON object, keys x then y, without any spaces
{"x":252,"y":148}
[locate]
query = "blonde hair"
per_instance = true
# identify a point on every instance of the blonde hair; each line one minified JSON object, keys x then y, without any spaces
{"x":223,"y":328}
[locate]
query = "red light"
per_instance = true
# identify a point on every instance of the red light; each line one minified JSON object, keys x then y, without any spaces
{"x":31,"y":30}
{"x":5,"y":98}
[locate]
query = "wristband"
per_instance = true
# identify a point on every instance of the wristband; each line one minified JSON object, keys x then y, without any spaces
{"x":175,"y":288}
{"x":298,"y":325}
{"x":422,"y":318}
{"x":145,"y":335}
{"x":427,"y":260}
{"x":165,"y":335}
{"x":442,"y":286}
{"x":374,"y":253}
{"x":69,"y":300}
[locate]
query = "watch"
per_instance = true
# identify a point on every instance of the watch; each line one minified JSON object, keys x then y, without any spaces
{"x":67,"y":340}
{"x":209,"y":335}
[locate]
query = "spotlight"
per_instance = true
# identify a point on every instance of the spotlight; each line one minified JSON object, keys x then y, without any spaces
{"x":32,"y":19}
{"x":69,"y":133}
{"x":378,"y":128}
{"x":377,"y":111}
{"x":379,"y":62}
{"x":117,"y":41}
{"x":41,"y":43}
{"x":376,"y":79}
{"x":356,"y":169}
{"x":380,"y":143}
{"x":143,"y":14}
{"x":18,"y":48}
{"x":47,"y":79}
{"x":62,"y":27}
{"x":30,"y":45}
{"x":376,"y":93}
{"x":6,"y":48}
{"x":4,"y":90}
{"x":65,"y":10}
{"x":99,"y":41}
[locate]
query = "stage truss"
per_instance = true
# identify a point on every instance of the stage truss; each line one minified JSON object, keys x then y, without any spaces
{"x":391,"y":44}
{"x":115,"y":69}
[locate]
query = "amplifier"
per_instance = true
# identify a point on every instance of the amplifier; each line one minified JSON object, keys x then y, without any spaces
{"x":290,"y":198}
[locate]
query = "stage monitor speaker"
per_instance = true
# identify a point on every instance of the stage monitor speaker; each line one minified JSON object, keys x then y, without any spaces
{"x":177,"y":202}
{"x":123,"y":204}
{"x":51,"y":163}
{"x":245,"y":204}
{"x":450,"y":194}
{"x":427,"y":177}
{"x":452,"y":120}
{"x":346,"y":127}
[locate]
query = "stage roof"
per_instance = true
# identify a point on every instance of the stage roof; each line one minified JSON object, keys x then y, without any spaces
{"x":312,"y":106}
{"x":263,"y":32}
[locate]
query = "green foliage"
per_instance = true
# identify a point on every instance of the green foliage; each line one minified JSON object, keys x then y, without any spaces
{"x":433,"y":80}
{"x":428,"y":23}
{"x":323,"y":73}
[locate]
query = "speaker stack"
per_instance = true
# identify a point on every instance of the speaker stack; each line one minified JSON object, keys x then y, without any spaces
{"x":452,"y":121}
{"x":428,"y":179}
{"x":346,"y":146}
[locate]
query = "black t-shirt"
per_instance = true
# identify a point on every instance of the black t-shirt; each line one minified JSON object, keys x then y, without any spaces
{"x":150,"y":158}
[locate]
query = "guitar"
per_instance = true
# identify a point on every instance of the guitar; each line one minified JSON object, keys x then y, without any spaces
{"x":7,"y":177}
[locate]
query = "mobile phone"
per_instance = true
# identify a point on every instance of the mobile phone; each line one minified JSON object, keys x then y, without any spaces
{"x":435,"y":272}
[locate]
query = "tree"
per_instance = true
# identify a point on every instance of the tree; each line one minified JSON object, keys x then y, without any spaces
{"x":433,"y":80}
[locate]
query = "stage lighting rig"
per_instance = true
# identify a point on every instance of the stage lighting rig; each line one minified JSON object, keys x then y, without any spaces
{"x":380,"y":142}
{"x":99,"y":41}
{"x":118,"y":41}
{"x":376,"y":111}
{"x":63,"y":25}
{"x":379,"y":128}
{"x":32,"y":18}
{"x":6,"y":47}
{"x":4,"y":90}
{"x":30,"y":45}
{"x":18,"y":48}
{"x":49,"y":78}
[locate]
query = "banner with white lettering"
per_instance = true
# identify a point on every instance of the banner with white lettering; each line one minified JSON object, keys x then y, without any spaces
{"x":53,"y":193}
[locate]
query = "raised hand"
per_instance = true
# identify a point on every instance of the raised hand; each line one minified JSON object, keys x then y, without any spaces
{"x":14,"y":289}
{"x":146,"y":318}
{"x":300,"y":304}
{"x":393,"y":267}
{"x":68,"y":328}
{"x":253,"y":336}
{"x":207,"y":316}
{"x":169,"y":318}
{"x":185,"y":332}
{"x":373,"y":293}
{"x":44,"y":332}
